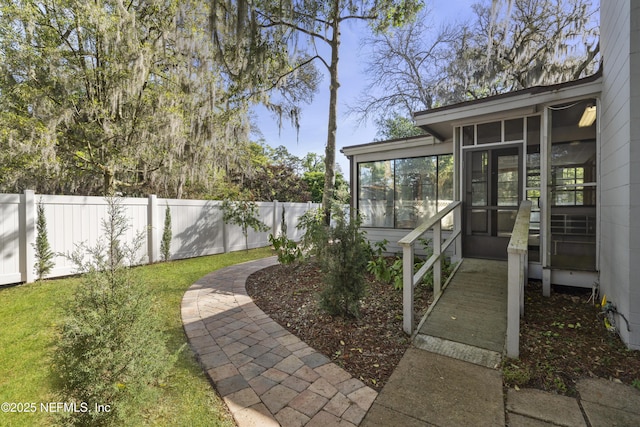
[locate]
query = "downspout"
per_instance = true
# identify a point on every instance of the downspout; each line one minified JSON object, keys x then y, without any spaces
{"x":457,"y":164}
{"x":353,"y":184}
{"x":598,"y":186}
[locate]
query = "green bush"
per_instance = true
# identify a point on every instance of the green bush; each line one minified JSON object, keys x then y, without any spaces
{"x":315,"y":233}
{"x":165,"y":243}
{"x":378,"y":265}
{"x":110,"y":351}
{"x":287,"y":250}
{"x":43,"y":253}
{"x":343,"y":262}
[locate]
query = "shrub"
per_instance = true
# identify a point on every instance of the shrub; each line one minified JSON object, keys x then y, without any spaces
{"x":43,"y":253}
{"x":378,"y":264}
{"x":343,"y":263}
{"x":110,"y":350}
{"x":165,"y":243}
{"x":315,"y":233}
{"x":287,"y":250}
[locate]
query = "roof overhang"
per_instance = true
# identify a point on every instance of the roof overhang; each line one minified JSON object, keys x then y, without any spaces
{"x":440,"y":122}
{"x":391,"y":145}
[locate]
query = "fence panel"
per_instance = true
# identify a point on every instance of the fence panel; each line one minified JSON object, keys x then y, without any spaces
{"x":196,"y":225}
{"x":293,"y":212}
{"x":77,"y":220}
{"x":197,"y":228}
{"x":10,"y":238}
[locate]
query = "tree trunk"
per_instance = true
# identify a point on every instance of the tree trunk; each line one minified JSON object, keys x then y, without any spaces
{"x":108,"y":185}
{"x":180,"y":186}
{"x":330,"y":150}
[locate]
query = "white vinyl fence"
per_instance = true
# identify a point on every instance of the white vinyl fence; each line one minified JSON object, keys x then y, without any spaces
{"x":196,"y":225}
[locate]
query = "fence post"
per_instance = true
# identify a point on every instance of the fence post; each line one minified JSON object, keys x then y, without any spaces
{"x":274,"y":222}
{"x":152,"y":229}
{"x":225,"y":230}
{"x":27,"y":229}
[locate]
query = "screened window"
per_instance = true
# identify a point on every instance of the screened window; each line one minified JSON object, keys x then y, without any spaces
{"x":513,"y":130}
{"x":492,"y":132}
{"x":402,"y":193}
{"x":375,"y":193}
{"x":489,"y":132}
{"x":573,"y":173}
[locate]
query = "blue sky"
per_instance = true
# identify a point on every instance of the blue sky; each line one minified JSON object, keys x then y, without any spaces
{"x":313,"y":129}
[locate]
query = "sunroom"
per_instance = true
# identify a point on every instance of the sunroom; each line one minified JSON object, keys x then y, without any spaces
{"x":539,"y":144}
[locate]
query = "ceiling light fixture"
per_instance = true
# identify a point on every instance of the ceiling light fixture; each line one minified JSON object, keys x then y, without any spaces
{"x":588,"y":117}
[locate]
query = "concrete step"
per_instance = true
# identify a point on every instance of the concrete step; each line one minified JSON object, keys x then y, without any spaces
{"x":459,"y":351}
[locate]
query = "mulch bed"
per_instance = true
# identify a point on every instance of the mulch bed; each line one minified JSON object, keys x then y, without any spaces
{"x":563,"y":337}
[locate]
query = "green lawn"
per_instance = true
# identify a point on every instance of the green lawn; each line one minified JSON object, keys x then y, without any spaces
{"x":29,"y":315}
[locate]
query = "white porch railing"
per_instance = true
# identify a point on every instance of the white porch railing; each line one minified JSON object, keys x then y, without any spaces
{"x":439,"y":247}
{"x":517,"y":276}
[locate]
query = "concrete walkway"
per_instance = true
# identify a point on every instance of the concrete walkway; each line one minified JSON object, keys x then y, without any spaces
{"x":429,"y":389}
{"x":267,"y":376}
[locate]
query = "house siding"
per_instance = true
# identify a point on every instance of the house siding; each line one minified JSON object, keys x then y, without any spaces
{"x":634,"y":286}
{"x":620,"y":163}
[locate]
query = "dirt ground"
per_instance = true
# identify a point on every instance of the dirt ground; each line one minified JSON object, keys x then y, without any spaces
{"x":563,"y":338}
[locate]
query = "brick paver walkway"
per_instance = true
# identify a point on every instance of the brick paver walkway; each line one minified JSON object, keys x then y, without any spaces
{"x":265,"y":375}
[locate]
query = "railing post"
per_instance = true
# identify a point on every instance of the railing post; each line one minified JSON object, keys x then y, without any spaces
{"x":407,"y":288}
{"x":517,"y":259}
{"x":524,"y":260}
{"x":457,"y":226}
{"x":513,"y":305}
{"x":437,"y":251}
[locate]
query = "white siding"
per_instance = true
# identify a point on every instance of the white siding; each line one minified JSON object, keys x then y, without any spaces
{"x":620,"y":162}
{"x":634,"y":130}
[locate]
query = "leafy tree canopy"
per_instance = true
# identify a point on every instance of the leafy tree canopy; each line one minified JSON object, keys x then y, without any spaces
{"x":105,"y":96}
{"x":396,"y":127}
{"x":508,"y":45}
{"x":243,"y":29}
